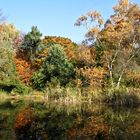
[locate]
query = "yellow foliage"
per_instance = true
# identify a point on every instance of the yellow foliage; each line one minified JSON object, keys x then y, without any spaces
{"x":8,"y":32}
{"x":92,"y":76}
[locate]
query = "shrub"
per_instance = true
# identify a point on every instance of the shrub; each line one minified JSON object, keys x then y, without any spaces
{"x":39,"y":79}
{"x":21,"y":89}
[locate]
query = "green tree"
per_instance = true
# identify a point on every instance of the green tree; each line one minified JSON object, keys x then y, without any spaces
{"x":31,"y":42}
{"x":8,"y":75}
{"x":56,"y":66}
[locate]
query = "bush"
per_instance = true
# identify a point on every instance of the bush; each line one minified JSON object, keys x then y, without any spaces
{"x":21,"y":89}
{"x":39,"y":79}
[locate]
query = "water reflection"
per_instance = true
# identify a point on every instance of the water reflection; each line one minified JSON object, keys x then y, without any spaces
{"x":55,"y":121}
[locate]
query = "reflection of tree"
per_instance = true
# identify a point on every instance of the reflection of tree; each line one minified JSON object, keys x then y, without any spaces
{"x":94,"y":128}
{"x":54,"y":121}
{"x":27,"y":127}
{"x":121,"y":122}
{"x":134,"y":129}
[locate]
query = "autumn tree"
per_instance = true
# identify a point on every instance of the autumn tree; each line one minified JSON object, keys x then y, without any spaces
{"x":123,"y":45}
{"x":71,"y":49}
{"x":8,"y":33}
{"x":118,"y":40}
{"x":12,"y":56}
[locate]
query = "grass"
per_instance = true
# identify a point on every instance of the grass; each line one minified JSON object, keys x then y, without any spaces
{"x":73,"y":95}
{"x":3,"y":96}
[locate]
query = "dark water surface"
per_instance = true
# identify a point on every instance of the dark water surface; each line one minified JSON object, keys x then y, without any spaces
{"x":20,"y":120}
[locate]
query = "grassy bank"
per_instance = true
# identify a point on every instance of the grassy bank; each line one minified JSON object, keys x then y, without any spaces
{"x":123,"y":97}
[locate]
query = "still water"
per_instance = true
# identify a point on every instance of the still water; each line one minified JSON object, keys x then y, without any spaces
{"x":20,"y":120}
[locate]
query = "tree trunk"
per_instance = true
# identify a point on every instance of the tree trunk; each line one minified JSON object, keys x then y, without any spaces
{"x":119,"y":81}
{"x":111,"y":75}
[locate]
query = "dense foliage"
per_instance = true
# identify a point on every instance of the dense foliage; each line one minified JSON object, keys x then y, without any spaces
{"x":70,"y":48}
{"x":31,"y":43}
{"x":55,"y":66}
{"x":117,"y":43}
{"x":107,"y":59}
{"x":7,"y":65}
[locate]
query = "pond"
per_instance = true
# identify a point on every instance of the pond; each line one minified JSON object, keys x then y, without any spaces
{"x":28,"y":120}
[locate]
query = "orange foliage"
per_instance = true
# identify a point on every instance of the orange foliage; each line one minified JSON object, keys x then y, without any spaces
{"x":23,"y":69}
{"x":92,"y":76}
{"x":38,"y":62}
{"x":69,"y":46}
{"x":133,"y":77}
{"x":25,"y":126}
{"x":86,"y":56}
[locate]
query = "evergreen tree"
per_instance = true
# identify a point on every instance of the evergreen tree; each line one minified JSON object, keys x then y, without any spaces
{"x":55,"y":66}
{"x":31,"y":42}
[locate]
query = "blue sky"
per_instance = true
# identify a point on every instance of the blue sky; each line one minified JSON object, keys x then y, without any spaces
{"x":54,"y":17}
